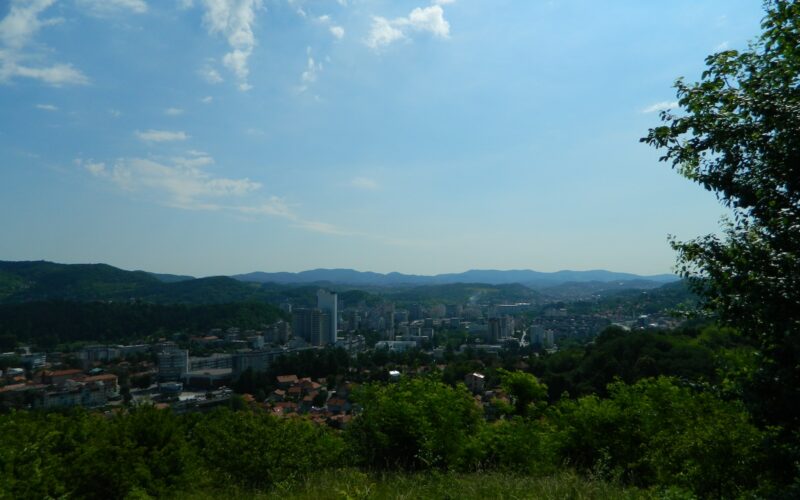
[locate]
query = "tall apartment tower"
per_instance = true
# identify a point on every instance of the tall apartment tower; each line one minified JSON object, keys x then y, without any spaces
{"x":327,"y":302}
{"x":310,"y":325}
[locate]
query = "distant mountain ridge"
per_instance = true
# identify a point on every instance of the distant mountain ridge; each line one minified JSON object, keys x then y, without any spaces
{"x":534,"y":279}
{"x":30,"y":281}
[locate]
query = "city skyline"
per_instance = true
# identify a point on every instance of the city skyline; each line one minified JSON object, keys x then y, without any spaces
{"x":423,"y":137}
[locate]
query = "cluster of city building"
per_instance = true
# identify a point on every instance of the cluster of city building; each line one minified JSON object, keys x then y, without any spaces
{"x":174,"y":376}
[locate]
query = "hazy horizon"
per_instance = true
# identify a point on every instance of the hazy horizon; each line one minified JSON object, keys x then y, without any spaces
{"x":273,"y":271}
{"x":214,"y":137}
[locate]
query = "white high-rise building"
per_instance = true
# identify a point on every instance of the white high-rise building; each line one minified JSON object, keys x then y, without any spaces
{"x":328,"y":302}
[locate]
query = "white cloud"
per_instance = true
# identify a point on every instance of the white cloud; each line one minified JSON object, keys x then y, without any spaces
{"x":182,"y":183}
{"x":273,"y":206}
{"x":443,"y":2}
{"x":161,"y":135}
{"x":430,"y":19}
{"x":297,"y":6}
{"x":364,"y":183}
{"x":196,"y":159}
{"x":311,"y":72}
{"x":22,"y":22}
{"x":17,"y":31}
{"x":56,"y":75}
{"x":179,"y":185}
{"x":660,"y":106}
{"x":234,"y":19}
{"x":321,"y":227}
{"x":112,"y":7}
{"x":47,"y":107}
{"x":207,"y":99}
{"x":277,"y":207}
{"x":115,"y":113}
{"x":337,"y":32}
{"x":255,"y":132}
{"x":96,"y":169}
{"x":382,"y":33}
{"x":173,"y":111}
{"x":210,"y":75}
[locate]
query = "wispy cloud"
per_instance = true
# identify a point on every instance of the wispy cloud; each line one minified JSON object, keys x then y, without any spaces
{"x":56,"y":75}
{"x":17,"y":32}
{"x":364,"y":183}
{"x":210,"y":74}
{"x":173,"y":111}
{"x":234,"y":19}
{"x":47,"y":107}
{"x":309,"y":75}
{"x":113,"y":7}
{"x":334,"y":29}
{"x":337,"y":32}
{"x":207,"y":99}
{"x":161,"y":135}
{"x":179,"y":184}
{"x":194,"y":159}
{"x":660,"y":106}
{"x":182,"y":182}
{"x":384,"y":32}
{"x":321,"y":227}
{"x":22,"y":22}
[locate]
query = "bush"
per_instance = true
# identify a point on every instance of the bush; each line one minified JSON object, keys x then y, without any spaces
{"x":657,"y":432}
{"x":414,"y":424}
{"x":257,"y":450}
{"x":517,"y":445}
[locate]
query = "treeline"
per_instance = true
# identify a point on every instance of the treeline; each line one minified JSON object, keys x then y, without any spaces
{"x":698,"y":355}
{"x":675,"y":296}
{"x":706,"y":355}
{"x":657,"y":434}
{"x":49,"y":324}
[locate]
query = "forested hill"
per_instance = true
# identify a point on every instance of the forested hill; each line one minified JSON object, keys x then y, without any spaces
{"x":49,"y":324}
{"x":41,"y":280}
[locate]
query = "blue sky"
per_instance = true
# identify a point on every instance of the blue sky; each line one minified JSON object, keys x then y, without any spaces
{"x":226,"y":136}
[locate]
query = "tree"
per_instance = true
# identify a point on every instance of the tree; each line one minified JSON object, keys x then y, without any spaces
{"x":738,"y":135}
{"x":659,"y":431}
{"x":414,"y":424}
{"x":525,"y":389}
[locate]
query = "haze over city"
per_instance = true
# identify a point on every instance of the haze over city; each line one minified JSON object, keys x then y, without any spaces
{"x":415,"y":136}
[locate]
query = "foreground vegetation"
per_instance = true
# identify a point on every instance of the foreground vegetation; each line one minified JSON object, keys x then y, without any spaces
{"x":656,"y":435}
{"x":353,"y":484}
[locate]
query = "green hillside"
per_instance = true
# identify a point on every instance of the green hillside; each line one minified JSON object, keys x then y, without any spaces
{"x":48,"y":324}
{"x":41,"y":281}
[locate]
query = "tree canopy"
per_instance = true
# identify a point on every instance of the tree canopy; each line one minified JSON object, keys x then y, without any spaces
{"x":737,"y":134}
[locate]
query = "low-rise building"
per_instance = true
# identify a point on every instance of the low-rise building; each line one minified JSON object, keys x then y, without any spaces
{"x":475,"y":382}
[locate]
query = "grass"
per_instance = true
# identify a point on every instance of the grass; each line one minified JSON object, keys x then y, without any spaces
{"x":351,"y":484}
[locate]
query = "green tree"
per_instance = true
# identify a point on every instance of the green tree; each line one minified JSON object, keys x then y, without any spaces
{"x":737,"y":135}
{"x":659,"y":432}
{"x":414,"y":424}
{"x":525,"y":389}
{"x":257,"y":450}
